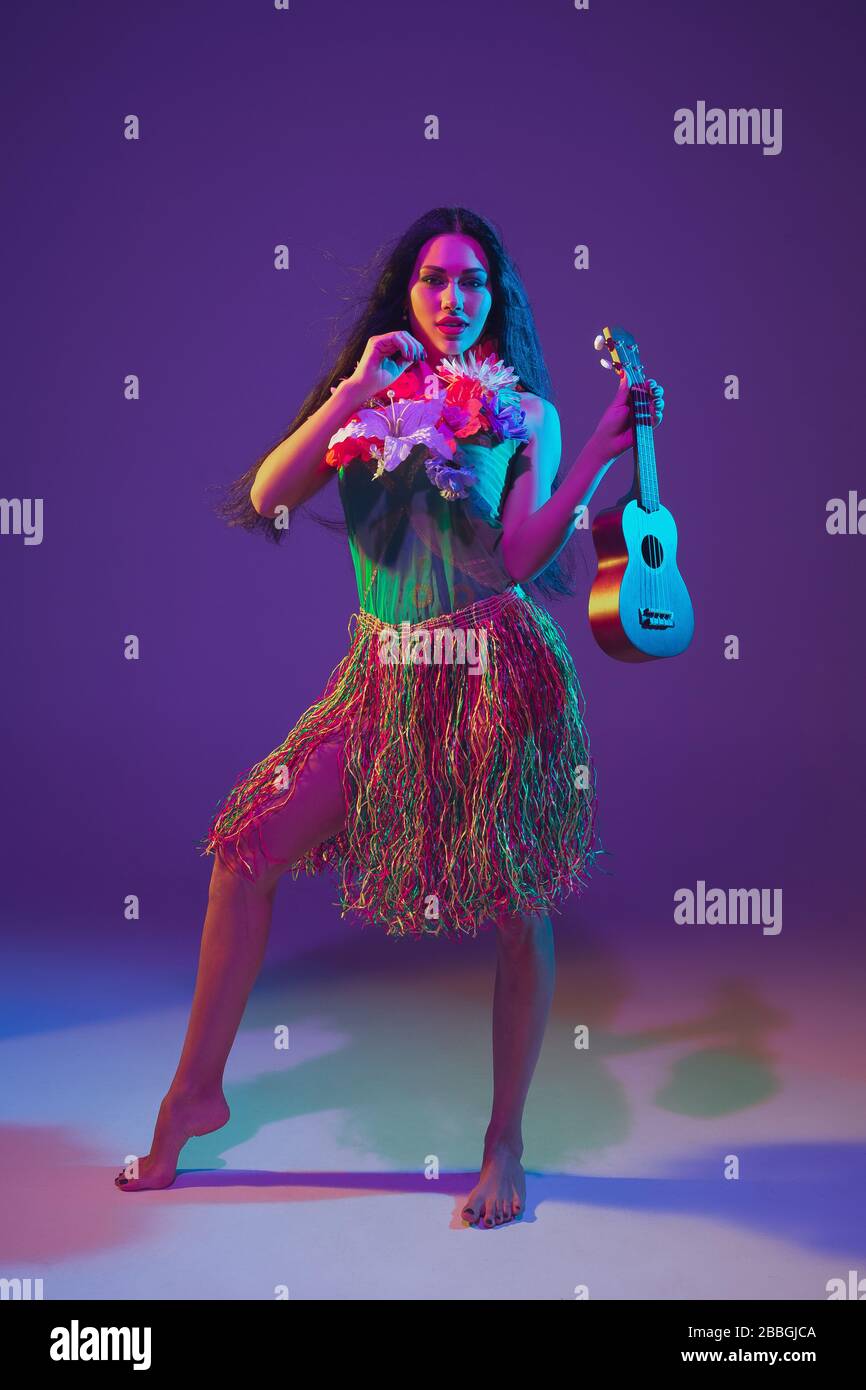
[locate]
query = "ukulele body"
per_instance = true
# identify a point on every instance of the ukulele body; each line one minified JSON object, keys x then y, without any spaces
{"x":639,"y":606}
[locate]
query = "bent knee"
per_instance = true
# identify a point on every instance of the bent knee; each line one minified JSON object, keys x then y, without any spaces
{"x":283,"y":833}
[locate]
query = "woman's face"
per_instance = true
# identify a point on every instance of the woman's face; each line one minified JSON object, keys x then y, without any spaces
{"x":450,"y":280}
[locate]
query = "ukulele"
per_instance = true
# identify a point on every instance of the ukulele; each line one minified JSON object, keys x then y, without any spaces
{"x":639,"y":607}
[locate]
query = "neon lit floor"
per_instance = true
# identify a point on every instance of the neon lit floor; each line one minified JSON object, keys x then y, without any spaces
{"x":317,"y":1183}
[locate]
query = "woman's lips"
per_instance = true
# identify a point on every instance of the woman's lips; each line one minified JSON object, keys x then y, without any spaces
{"x":452,"y":330}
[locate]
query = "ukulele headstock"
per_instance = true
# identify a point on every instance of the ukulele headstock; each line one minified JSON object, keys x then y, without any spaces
{"x":624,"y":356}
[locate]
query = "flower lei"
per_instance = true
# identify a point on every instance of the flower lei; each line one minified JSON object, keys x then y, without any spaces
{"x":479,"y":396}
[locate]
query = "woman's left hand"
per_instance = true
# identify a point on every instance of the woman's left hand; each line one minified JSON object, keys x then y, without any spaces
{"x":614,"y":432}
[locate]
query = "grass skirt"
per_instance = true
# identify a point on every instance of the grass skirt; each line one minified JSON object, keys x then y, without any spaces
{"x":469,"y":788}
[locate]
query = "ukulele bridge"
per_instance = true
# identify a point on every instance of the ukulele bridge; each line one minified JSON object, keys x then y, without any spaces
{"x":655,"y":618}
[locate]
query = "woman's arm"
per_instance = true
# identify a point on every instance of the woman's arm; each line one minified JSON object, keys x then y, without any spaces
{"x":535,"y":524}
{"x":296,"y":469}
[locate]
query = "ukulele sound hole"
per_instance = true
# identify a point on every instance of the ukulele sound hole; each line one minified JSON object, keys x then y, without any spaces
{"x":651,"y":550}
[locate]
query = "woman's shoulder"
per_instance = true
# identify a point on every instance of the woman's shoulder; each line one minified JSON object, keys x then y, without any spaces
{"x":538,"y":411}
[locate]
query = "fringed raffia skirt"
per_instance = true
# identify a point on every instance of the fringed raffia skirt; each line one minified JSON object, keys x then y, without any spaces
{"x":469,"y":790}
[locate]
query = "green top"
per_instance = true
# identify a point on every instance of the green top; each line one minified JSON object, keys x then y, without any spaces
{"x":416,"y":554}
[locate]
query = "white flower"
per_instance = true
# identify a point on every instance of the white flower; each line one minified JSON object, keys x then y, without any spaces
{"x":398,"y":428}
{"x":492,"y":372}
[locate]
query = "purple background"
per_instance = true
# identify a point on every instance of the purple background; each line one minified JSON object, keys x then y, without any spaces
{"x":155,"y":257}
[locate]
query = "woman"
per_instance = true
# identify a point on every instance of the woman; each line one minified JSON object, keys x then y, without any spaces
{"x":451,"y":792}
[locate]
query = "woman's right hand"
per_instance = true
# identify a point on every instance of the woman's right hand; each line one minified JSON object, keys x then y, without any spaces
{"x":384,"y":359}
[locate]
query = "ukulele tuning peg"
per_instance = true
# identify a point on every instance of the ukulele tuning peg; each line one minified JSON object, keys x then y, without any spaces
{"x":606,"y":363}
{"x":598,"y":343}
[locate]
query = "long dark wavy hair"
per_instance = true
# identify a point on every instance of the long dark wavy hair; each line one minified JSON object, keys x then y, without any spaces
{"x":510,"y":323}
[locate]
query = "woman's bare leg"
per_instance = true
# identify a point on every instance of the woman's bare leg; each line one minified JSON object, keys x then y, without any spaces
{"x":234,"y":938}
{"x":525,"y":974}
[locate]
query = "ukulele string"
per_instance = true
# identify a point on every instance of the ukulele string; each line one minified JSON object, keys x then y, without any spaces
{"x":646,"y":499}
{"x":641,"y":513}
{"x":664,"y":578}
{"x":640,"y":510}
{"x":658,"y":582}
{"x":654,"y":548}
{"x":648,"y":578}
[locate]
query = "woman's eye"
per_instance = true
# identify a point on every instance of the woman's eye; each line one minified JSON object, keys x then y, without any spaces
{"x":435,"y":280}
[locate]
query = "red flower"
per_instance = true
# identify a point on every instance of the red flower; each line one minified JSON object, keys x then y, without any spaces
{"x":358,"y":446}
{"x":463,"y":407}
{"x":409,"y":383}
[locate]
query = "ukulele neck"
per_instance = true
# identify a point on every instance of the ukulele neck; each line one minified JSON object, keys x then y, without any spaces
{"x":646,"y":484}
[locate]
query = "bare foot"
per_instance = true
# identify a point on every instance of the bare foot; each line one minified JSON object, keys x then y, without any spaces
{"x":500,"y":1193}
{"x":180,"y":1117}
